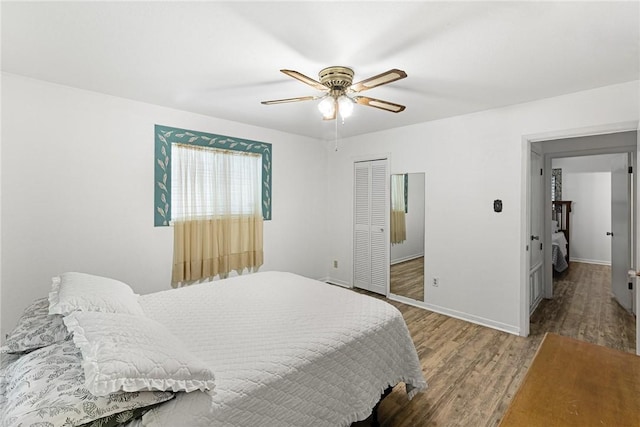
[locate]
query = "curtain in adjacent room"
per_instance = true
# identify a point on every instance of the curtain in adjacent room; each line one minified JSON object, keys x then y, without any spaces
{"x":556,"y":184}
{"x":398,"y":221}
{"x":216,"y":212}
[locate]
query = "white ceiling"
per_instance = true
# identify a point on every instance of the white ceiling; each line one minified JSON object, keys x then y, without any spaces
{"x":222,"y":58}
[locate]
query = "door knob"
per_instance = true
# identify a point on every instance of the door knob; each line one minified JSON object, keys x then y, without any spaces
{"x":609,"y":233}
{"x":535,"y":237}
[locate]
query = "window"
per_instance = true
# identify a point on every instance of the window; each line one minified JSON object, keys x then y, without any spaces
{"x":556,"y":184}
{"x":217,"y":191}
{"x":166,"y":137}
{"x":210,"y":182}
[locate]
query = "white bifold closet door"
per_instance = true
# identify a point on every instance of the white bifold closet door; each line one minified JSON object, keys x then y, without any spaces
{"x":371,"y":213}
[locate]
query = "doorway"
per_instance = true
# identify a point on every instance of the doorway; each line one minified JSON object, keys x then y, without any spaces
{"x":598,"y":188}
{"x":620,"y":142}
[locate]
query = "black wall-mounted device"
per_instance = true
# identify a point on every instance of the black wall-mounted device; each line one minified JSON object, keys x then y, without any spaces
{"x":497,"y":205}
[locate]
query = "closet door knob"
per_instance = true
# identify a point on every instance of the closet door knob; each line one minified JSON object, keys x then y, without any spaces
{"x":535,"y":237}
{"x":609,"y":233}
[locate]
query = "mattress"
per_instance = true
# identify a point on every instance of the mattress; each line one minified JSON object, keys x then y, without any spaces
{"x":285,"y":351}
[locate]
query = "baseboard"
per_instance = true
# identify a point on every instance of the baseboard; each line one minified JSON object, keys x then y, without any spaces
{"x":332,"y":281}
{"x":405,"y":259}
{"x":590,"y":261}
{"x":514,"y":330}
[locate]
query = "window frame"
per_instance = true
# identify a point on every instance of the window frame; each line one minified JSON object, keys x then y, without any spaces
{"x":165,"y":136}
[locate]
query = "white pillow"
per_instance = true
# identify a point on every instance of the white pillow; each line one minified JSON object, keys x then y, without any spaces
{"x":554,"y":226}
{"x":134,"y":353}
{"x":79,"y":291}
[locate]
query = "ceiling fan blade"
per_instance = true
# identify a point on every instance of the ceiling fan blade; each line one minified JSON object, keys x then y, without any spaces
{"x":380,"y":79}
{"x":304,"y":79}
{"x":282,"y":101}
{"x":377,"y":103}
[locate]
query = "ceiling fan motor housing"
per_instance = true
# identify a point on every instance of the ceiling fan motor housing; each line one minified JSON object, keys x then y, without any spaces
{"x":336,"y":78}
{"x":337,"y":82}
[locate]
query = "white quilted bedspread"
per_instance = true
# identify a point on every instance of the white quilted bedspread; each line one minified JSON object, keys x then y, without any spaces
{"x":285,"y":351}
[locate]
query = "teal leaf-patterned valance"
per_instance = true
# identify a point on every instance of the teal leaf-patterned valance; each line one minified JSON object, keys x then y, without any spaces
{"x":165,"y":136}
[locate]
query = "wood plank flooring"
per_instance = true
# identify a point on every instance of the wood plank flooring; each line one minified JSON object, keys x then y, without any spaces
{"x":583,"y":308}
{"x":473,"y":372}
{"x":407,"y":279}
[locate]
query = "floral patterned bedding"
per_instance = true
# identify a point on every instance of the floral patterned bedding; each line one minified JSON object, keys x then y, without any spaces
{"x":35,"y":329}
{"x":44,"y":387}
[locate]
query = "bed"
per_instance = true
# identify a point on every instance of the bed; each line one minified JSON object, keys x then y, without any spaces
{"x":561,"y":233}
{"x":559,"y":251}
{"x":267,"y":349}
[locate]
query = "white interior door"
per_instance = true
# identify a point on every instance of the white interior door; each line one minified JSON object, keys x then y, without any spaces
{"x":371,"y":211}
{"x":621,"y":231}
{"x":535,"y":249}
{"x":535,"y":228}
{"x":636,"y":224}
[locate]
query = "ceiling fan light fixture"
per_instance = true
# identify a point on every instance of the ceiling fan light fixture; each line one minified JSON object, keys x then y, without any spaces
{"x":345,"y":106}
{"x":340,"y":93}
{"x":327,"y":107}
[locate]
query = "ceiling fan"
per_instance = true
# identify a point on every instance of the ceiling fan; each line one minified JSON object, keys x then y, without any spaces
{"x":337,"y":84}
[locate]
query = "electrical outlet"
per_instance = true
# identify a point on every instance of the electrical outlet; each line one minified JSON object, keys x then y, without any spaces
{"x":335,"y":263}
{"x":436,"y":281}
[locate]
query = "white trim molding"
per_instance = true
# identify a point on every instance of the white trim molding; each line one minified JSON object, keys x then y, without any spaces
{"x":511,"y":329}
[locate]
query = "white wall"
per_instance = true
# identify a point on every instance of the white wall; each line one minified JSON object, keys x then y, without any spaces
{"x":77,"y":192}
{"x":413,"y":246}
{"x":586,"y":181}
{"x":469,"y":161}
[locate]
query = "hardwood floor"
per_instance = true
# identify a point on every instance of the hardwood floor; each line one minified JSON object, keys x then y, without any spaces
{"x":407,"y":279}
{"x":582,"y":308}
{"x":473,"y":371}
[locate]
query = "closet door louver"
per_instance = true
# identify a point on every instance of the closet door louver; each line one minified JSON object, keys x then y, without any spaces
{"x":370,"y":225}
{"x":362,"y":215}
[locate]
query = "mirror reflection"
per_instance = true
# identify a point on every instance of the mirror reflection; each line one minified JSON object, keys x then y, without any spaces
{"x":407,"y":235}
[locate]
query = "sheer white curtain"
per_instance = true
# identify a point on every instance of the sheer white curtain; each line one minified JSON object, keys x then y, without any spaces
{"x":216,"y":212}
{"x":398,"y":220}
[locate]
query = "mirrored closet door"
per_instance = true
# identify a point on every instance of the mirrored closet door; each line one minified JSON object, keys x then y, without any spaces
{"x":407,"y":235}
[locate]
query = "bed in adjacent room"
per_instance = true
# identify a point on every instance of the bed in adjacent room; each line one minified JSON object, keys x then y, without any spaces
{"x":560,"y":235}
{"x":559,"y":251}
{"x":268,"y":349}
